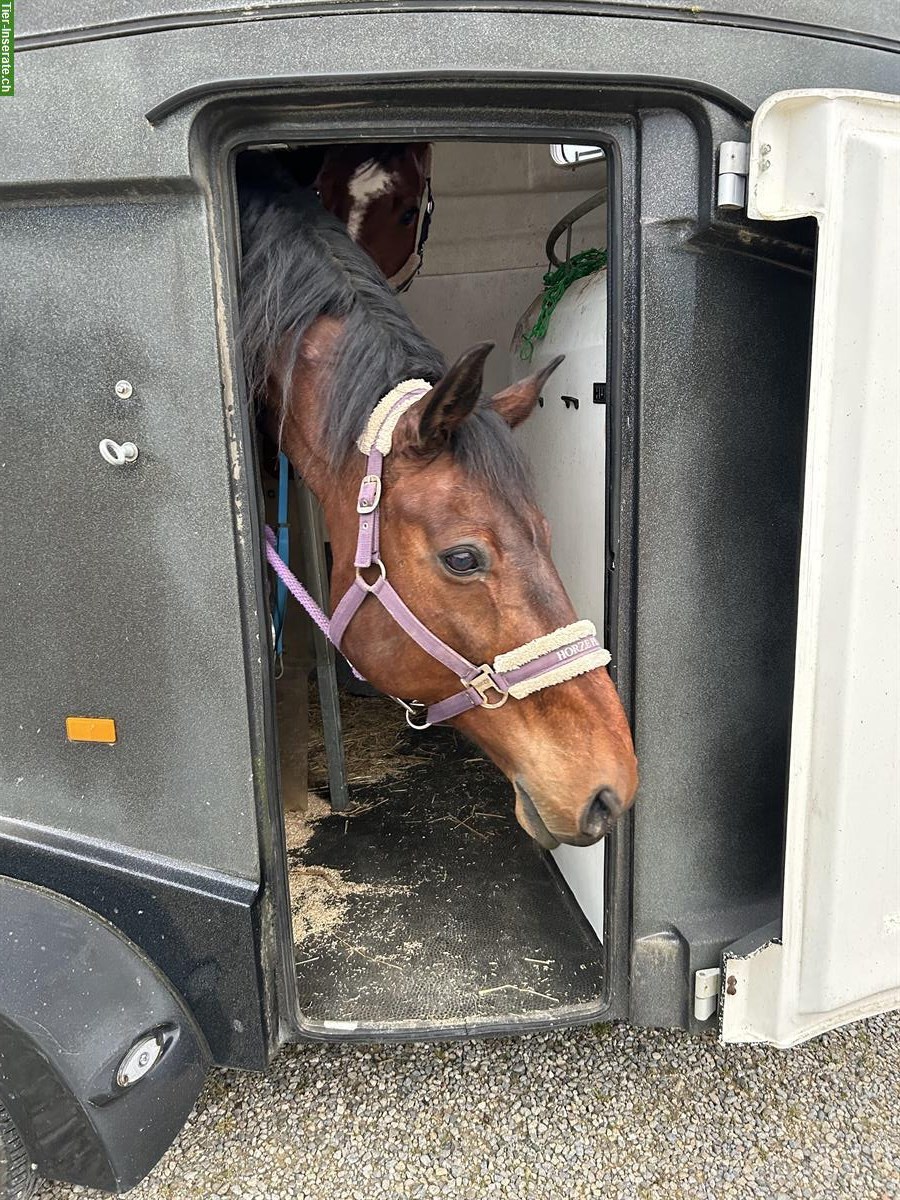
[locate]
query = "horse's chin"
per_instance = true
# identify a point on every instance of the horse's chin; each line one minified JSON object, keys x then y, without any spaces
{"x":530,"y":820}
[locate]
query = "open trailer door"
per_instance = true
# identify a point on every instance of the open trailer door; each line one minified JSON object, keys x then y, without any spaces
{"x":835,"y":155}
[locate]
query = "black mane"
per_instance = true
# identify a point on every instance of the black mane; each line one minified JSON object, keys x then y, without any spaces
{"x":300,"y":264}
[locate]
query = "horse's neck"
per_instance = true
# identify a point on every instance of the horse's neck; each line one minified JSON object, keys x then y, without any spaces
{"x":300,"y":426}
{"x":301,"y":441}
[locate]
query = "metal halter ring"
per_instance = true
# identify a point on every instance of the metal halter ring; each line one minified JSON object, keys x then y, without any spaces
{"x":416,"y":707}
{"x":411,"y":707}
{"x":364,"y":584}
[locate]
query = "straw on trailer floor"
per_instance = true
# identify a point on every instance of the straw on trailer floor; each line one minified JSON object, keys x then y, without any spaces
{"x":426,"y":902}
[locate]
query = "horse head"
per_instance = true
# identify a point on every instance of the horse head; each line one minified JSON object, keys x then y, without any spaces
{"x":381,"y":193}
{"x":462,"y":541}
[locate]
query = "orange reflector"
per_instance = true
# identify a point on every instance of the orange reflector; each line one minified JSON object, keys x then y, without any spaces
{"x":91,"y":729}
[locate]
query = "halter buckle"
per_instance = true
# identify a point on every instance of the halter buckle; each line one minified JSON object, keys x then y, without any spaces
{"x":483,"y":683}
{"x":368,"y":503}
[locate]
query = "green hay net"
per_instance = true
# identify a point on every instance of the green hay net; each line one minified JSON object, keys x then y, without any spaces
{"x":556,"y":281}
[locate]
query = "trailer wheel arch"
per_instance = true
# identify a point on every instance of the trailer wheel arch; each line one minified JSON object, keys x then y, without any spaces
{"x":76,"y":997}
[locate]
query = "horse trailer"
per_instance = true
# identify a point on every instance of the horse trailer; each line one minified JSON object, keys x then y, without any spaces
{"x":215,"y":839}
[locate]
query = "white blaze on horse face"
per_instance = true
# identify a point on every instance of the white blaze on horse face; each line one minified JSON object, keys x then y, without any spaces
{"x":367,"y":183}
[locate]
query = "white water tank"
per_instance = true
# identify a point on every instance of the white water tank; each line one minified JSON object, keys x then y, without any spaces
{"x":565,"y":441}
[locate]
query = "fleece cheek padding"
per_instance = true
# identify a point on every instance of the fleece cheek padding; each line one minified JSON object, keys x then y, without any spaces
{"x":578,"y":635}
{"x":576,"y":632}
{"x":560,"y":674}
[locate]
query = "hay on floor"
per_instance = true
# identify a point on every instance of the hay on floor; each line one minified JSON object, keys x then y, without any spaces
{"x":371,"y":726}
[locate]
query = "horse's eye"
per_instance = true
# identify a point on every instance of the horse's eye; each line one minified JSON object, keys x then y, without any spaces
{"x":462,"y":560}
{"x":409,"y":216}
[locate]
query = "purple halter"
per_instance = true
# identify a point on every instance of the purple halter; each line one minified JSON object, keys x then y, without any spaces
{"x":554,"y":658}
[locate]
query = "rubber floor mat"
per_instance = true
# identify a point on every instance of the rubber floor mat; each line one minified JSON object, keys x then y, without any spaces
{"x":426,"y":903}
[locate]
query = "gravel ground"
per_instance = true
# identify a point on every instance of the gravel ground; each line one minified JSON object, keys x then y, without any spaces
{"x":608,"y":1112}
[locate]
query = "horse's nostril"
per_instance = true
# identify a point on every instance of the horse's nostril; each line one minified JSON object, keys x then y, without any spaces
{"x":600,"y":813}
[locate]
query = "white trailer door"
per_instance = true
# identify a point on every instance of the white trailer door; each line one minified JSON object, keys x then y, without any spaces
{"x":835,"y":155}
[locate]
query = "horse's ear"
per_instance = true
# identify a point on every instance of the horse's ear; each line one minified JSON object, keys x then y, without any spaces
{"x":517,"y":402}
{"x":446,"y":406}
{"x":331,"y":183}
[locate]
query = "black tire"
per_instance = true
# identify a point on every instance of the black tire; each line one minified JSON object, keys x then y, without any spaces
{"x":17,"y":1179}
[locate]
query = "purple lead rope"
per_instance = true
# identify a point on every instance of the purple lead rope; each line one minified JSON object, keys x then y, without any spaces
{"x":298,"y":591}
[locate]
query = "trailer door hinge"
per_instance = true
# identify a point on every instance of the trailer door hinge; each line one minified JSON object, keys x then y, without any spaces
{"x":734,"y":166}
{"x":706,"y":992}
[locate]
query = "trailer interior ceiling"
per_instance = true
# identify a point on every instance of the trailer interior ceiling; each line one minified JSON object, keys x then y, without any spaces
{"x":419,"y":906}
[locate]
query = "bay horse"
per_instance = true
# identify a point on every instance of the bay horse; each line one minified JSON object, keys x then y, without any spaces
{"x":326,"y":343}
{"x":380,"y":191}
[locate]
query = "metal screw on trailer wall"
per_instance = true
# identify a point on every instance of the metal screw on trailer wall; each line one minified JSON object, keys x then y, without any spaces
{"x":139,"y":1060}
{"x":124,"y":389}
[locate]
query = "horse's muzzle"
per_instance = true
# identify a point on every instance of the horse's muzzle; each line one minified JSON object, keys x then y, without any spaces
{"x":599,"y":815}
{"x":530,"y":819}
